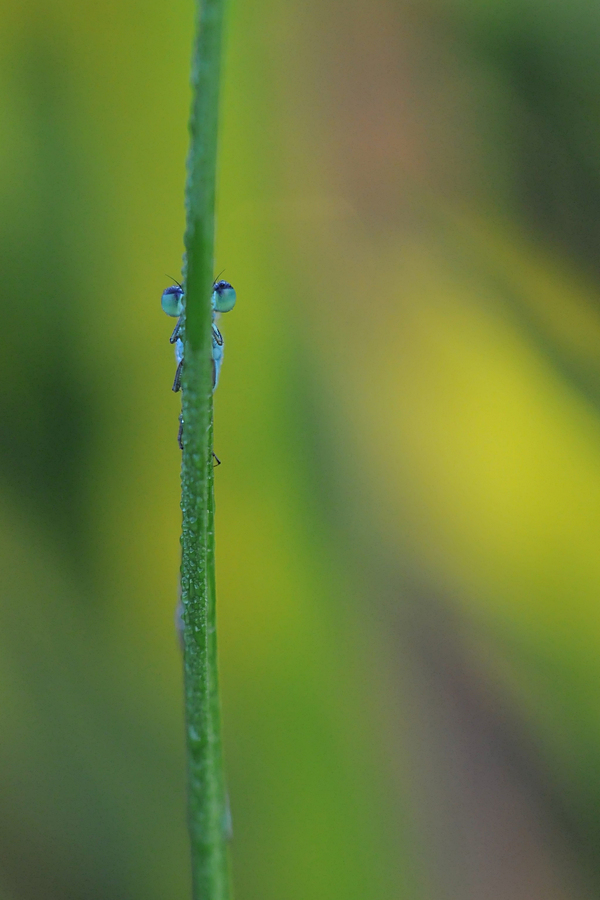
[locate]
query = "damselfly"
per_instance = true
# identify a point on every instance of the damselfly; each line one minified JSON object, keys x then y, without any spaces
{"x":173,"y":303}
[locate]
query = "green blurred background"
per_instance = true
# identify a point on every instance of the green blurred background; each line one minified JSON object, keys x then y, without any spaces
{"x":408,"y":519}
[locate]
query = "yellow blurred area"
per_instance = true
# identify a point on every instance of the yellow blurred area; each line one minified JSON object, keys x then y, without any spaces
{"x":408,"y":510}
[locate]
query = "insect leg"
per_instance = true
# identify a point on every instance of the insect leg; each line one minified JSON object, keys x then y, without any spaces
{"x":177,"y":382}
{"x":180,"y":442}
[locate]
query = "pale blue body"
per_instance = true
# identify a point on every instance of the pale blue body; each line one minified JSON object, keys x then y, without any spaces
{"x":217,"y":355}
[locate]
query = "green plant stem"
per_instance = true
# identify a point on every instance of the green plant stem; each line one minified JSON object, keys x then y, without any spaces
{"x":207,"y":799}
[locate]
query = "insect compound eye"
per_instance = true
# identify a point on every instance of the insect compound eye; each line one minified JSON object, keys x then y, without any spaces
{"x":172,"y":300}
{"x":223,"y":298}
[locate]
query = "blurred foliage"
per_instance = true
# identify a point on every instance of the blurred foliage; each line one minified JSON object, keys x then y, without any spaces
{"x":409,"y":423}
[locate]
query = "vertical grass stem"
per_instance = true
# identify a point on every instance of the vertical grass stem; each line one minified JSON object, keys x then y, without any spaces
{"x":207,"y":799}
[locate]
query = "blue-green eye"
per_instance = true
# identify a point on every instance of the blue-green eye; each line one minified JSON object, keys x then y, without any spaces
{"x":223,"y":298}
{"x":172,"y":300}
